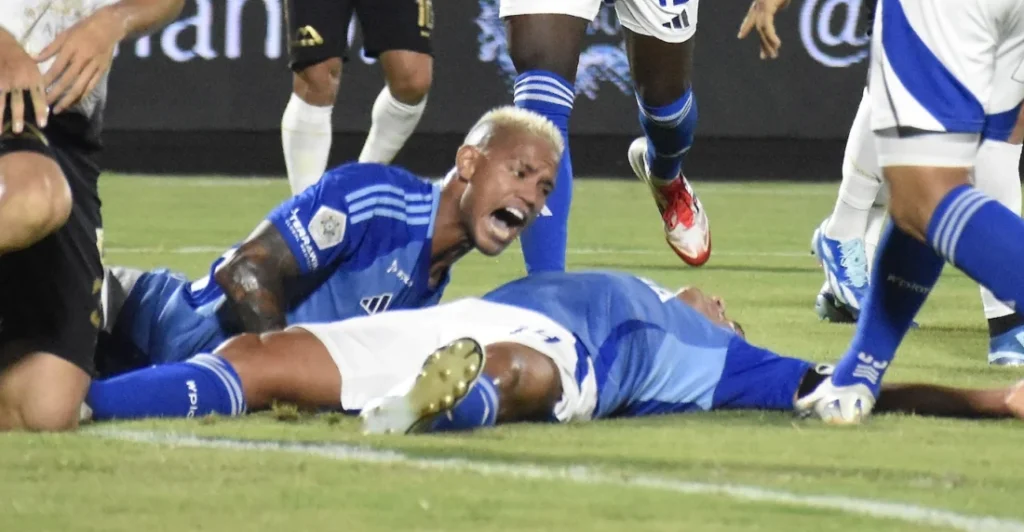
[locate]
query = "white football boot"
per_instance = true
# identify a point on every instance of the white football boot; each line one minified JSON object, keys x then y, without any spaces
{"x":446,"y":377}
{"x":686,"y":223}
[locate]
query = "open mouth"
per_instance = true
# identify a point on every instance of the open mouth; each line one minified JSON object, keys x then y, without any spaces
{"x":507,"y":221}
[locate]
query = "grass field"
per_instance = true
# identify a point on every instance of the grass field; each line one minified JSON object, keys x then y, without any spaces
{"x":714,"y":472}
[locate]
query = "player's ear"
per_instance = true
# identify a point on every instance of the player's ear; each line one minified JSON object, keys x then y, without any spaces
{"x":466,"y":161}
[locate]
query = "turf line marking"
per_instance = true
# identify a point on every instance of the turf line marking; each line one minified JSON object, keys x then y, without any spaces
{"x":200,"y":250}
{"x":920,"y":515}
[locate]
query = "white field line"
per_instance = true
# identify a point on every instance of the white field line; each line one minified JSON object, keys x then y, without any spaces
{"x":200,"y":250}
{"x":919,"y":515}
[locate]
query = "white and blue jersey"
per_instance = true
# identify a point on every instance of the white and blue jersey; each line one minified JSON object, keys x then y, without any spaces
{"x":361,"y":237}
{"x":948,"y":66}
{"x":647,"y":352}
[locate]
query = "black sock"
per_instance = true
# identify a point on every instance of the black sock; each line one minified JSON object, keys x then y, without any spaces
{"x":1003,"y":324}
{"x":810,"y":381}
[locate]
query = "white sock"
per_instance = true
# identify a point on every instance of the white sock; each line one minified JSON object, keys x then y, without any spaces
{"x":996,"y":174}
{"x":862,"y":179}
{"x":306,"y":140}
{"x":393,"y":124}
{"x":877,"y":216}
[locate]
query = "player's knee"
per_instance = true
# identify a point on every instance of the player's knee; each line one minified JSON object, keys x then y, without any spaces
{"x":317,"y":84}
{"x":411,"y":86}
{"x":42,"y":392}
{"x":35,"y":199}
{"x":915,"y":193}
{"x":54,"y":413}
{"x":527,"y":381}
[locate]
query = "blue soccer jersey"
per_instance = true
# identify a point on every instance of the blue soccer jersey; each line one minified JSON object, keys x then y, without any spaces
{"x":651,"y":353}
{"x":361,"y":237}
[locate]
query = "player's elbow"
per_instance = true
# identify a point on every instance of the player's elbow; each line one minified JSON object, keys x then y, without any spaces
{"x":238,"y":274}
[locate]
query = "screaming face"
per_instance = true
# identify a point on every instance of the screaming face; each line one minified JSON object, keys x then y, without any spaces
{"x":509,"y":182}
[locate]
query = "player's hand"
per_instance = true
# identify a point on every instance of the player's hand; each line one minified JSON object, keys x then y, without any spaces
{"x":761,"y":16}
{"x":20,"y":79}
{"x":83,"y":55}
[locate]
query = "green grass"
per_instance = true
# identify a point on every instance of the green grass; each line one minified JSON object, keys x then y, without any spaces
{"x":760,"y":266}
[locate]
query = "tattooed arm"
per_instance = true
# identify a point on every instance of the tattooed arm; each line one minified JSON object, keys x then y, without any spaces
{"x":253,"y":279}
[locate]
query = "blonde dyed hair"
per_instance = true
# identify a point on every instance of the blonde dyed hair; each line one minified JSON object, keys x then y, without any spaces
{"x":516,"y":119}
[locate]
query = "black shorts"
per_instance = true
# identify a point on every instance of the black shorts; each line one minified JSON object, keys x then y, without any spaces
{"x":50,"y":291}
{"x":318,"y":29}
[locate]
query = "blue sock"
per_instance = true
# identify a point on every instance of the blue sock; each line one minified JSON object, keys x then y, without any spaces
{"x":904,"y":274}
{"x":544,"y":241}
{"x":669,"y":131}
{"x":479,"y":408}
{"x":203,"y":384}
{"x":983,"y":238}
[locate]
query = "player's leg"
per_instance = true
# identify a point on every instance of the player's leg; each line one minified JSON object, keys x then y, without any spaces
{"x":460,"y":388}
{"x":839,"y":242}
{"x":398,"y":32}
{"x":936,"y":214}
{"x":661,"y":63}
{"x":544,"y":42}
{"x":329,"y":365}
{"x":246,"y":373}
{"x":997,"y":175}
{"x":317,"y":41}
{"x":50,"y":308}
{"x":35,"y":199}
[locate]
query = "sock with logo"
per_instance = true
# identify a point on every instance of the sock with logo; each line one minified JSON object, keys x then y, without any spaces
{"x":204,"y":384}
{"x":306,"y":141}
{"x":669,"y":130}
{"x":393,"y":123}
{"x":479,"y":408}
{"x":545,"y":240}
{"x":904,"y":273}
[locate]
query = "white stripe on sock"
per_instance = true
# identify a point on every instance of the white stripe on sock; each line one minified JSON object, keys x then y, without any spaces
{"x":541,"y":98}
{"x":965,"y":219}
{"x":565,"y":89}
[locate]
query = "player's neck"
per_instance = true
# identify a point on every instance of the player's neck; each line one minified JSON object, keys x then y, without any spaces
{"x":450,"y":241}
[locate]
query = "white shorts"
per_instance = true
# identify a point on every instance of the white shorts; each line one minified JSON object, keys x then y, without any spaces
{"x":378,"y":353}
{"x":945,"y":66}
{"x":672,"y":21}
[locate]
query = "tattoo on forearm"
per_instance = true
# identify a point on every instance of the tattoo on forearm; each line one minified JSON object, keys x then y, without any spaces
{"x":253,"y":279}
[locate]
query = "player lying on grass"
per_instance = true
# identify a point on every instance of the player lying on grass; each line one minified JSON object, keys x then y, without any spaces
{"x":366,"y":238}
{"x":559,"y":346}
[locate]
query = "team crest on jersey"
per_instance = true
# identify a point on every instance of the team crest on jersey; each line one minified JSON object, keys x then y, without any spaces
{"x":375,"y":304}
{"x":600,"y":63}
{"x":327,"y":227}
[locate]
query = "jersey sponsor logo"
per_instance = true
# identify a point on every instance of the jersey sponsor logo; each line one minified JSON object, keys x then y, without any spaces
{"x":300,"y":236}
{"x":376,"y":304}
{"x":828,"y":29}
{"x":327,"y":227}
{"x":404,"y":277}
{"x":193,"y":398}
{"x":600,"y":63}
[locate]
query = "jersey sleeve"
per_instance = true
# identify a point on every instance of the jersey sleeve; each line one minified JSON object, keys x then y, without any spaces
{"x":316,"y":223}
{"x":350,"y":207}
